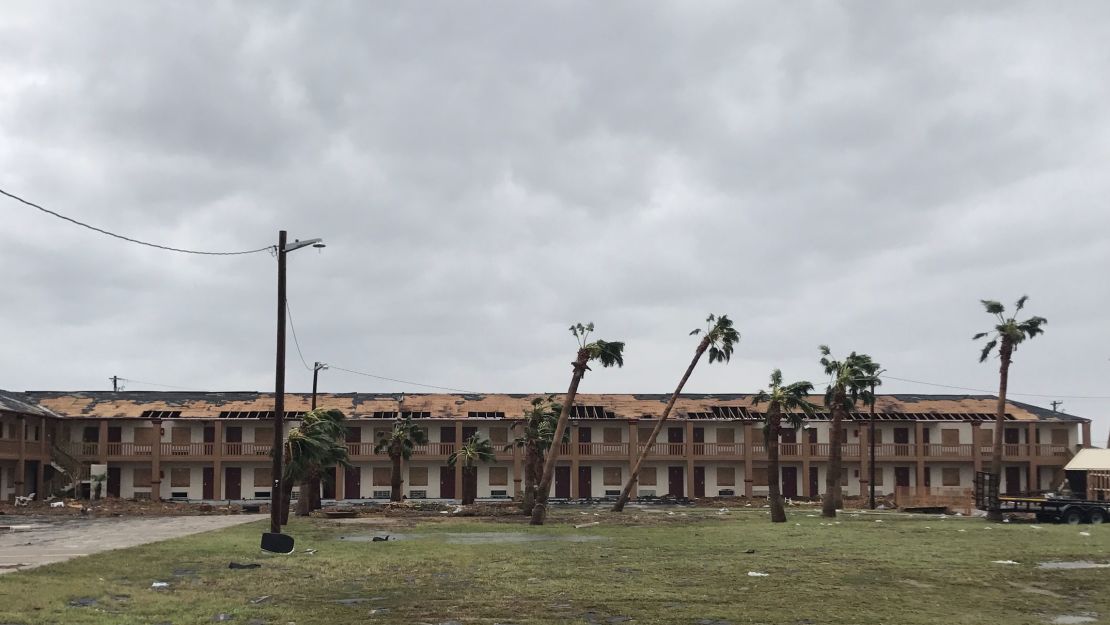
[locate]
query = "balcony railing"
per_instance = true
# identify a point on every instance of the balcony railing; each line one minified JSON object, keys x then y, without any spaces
{"x":247,"y":449}
{"x":9,"y":447}
{"x":187,"y":449}
{"x":603,"y":449}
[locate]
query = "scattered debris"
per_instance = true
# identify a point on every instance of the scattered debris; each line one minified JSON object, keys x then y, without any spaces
{"x":1084,"y":533}
{"x":236,"y":565}
{"x":380,"y":539}
{"x":159,"y":585}
{"x":749,"y":551}
{"x":310,"y":551}
{"x":262,"y":599}
{"x":1004,"y":562}
{"x":581,"y":525}
{"x":82,"y":602}
{"x":1075,"y":619}
{"x":757,"y":574}
{"x":223,"y":616}
{"x":58,"y":504}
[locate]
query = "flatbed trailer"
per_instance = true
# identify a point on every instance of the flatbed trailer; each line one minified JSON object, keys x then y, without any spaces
{"x":1046,"y":509}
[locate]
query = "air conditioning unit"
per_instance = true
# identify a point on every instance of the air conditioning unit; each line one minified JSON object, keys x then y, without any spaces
{"x":179,"y":495}
{"x":646,"y":493}
{"x":142,"y":495}
{"x":726,"y":492}
{"x":418,"y":494}
{"x":381,"y":494}
{"x":499,"y":494}
{"x":261,"y":494}
{"x":612,"y":493}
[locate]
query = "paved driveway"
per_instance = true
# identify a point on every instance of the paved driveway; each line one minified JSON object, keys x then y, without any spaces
{"x":56,"y":540}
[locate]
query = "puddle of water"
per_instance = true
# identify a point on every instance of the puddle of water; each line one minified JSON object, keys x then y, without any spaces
{"x":1074,"y":619}
{"x":1074,"y":565}
{"x":482,"y":538}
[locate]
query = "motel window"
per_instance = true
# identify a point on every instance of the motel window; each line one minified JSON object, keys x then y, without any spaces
{"x":645,"y":435}
{"x":986,"y":437}
{"x":950,"y":477}
{"x":499,"y":436}
{"x":844,"y":477}
{"x":949,"y":436}
{"x":611,"y":435}
{"x":262,"y":477}
{"x":418,"y":476}
{"x":141,"y":478}
{"x":647,"y":476}
{"x":726,"y":435}
{"x":498,"y":476}
{"x":1059,"y":436}
{"x":726,"y":476}
{"x":759,"y":476}
{"x":180,"y":478}
{"x":144,"y":436}
{"x":263,"y":435}
{"x":382,"y":476}
{"x":878,"y":476}
{"x":611,"y":476}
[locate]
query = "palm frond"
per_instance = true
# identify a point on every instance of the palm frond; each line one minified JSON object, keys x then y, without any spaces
{"x":1021,"y":302}
{"x":987,"y":350}
{"x":608,"y":353}
{"x":993,"y":307}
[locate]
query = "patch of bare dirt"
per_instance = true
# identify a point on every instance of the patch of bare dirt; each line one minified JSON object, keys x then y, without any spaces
{"x":118,"y":507}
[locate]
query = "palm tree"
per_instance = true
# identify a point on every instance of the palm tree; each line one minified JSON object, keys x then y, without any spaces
{"x":608,"y":353}
{"x":783,"y":401}
{"x":718,"y":339}
{"x":399,"y":443}
{"x":473,"y":451}
{"x":539,"y":429}
{"x":310,"y":450}
{"x":1007,"y":335}
{"x":850,"y":380}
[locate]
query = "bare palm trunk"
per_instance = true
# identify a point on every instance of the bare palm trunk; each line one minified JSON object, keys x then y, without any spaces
{"x":284,"y":500}
{"x":304,"y":501}
{"x":774,"y":493}
{"x":395,"y":477}
{"x":1005,"y":352}
{"x":543,"y":489}
{"x":634,"y":476}
{"x":314,"y":490}
{"x":531,"y":455}
{"x":833,"y":498}
{"x":467,"y":494}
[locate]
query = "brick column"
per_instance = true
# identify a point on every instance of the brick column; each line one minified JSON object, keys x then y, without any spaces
{"x":44,"y":457}
{"x":156,"y":461}
{"x":458,"y":468}
{"x":1032,"y":478}
{"x":574,"y":454}
{"x":976,"y":457}
{"x":633,"y":451}
{"x":919,"y":448}
{"x":21,"y":459}
{"x":748,"y":441}
{"x":340,"y":482}
{"x":688,"y":451}
{"x":1086,"y":429}
{"x":864,"y":460}
{"x":217,"y":460}
{"x":518,"y":471}
{"x":102,"y":442}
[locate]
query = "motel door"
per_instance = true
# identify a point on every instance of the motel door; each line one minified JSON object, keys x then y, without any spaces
{"x":352,"y":483}
{"x":674,"y":441}
{"x":114,"y":475}
{"x":206,"y":478}
{"x":233,"y":483}
{"x":901,"y":442}
{"x":447,"y":478}
{"x":699,"y":481}
{"x":814,"y":483}
{"x":1013,"y":480}
{"x":699,"y":444}
{"x":585,"y":437}
{"x":902,"y":476}
{"x":470,"y":482}
{"x":562,"y":482}
{"x":676,"y":482}
{"x":585,"y":481}
{"x":790,"y":481}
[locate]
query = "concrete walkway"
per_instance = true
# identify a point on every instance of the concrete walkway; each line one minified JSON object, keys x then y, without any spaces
{"x":39,"y":541}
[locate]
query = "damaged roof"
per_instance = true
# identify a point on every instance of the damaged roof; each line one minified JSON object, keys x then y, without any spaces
{"x":16,"y":403}
{"x":214,"y":405}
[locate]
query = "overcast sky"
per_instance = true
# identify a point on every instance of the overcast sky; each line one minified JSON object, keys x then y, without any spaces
{"x":485,"y":174}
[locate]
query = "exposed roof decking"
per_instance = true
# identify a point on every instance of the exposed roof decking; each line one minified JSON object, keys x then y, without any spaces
{"x":202,"y":405}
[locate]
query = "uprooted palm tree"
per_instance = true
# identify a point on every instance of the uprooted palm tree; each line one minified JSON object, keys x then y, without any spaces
{"x":1007,"y":334}
{"x":476,"y":449}
{"x":608,"y":353}
{"x":850,"y":380}
{"x":783,"y":401}
{"x":399,"y":444}
{"x":539,"y":430}
{"x":718,"y":339}
{"x":312,"y":448}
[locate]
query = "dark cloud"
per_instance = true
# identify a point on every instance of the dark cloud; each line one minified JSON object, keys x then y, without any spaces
{"x":484,"y":174}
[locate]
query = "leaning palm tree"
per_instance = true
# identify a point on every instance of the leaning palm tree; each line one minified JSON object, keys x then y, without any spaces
{"x":311,"y":449}
{"x":608,"y":353}
{"x":473,"y":451}
{"x":850,"y":380}
{"x":1006,"y":335}
{"x":718,"y":339}
{"x":539,"y":429}
{"x":783,"y":401}
{"x":399,"y":443}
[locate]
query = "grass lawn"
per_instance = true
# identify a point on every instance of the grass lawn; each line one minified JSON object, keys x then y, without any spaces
{"x":651,"y":567}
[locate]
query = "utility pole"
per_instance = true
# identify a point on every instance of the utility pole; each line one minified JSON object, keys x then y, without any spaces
{"x":871,"y":442}
{"x":279,"y":393}
{"x":115,"y":383}
{"x":316,"y":367}
{"x":1056,"y":404}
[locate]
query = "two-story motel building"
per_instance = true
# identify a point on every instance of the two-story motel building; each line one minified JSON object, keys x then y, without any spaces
{"x":216,"y":446}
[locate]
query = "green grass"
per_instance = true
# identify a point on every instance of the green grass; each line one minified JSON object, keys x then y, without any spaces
{"x":654,"y":568}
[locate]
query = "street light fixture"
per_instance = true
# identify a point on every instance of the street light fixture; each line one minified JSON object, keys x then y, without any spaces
{"x":275,"y":540}
{"x":316,"y":368}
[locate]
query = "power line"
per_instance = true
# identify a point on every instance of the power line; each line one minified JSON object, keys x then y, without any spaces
{"x":129,"y":239}
{"x":293,"y":328}
{"x":380,"y":377}
{"x":995,"y":391}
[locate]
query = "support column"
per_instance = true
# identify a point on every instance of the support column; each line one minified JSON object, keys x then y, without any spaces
{"x":1032,"y":478}
{"x":156,"y":461}
{"x":574,"y":454}
{"x":217,"y":460}
{"x":518,"y":472}
{"x":40,"y":474}
{"x":634,"y":452}
{"x":976,"y":457}
{"x":688,"y":451}
{"x":807,"y":451}
{"x":748,"y":442}
{"x":102,"y":442}
{"x":458,"y":469}
{"x":864,"y":460}
{"x":340,"y":483}
{"x":1086,"y":429}
{"x":919,"y":447}
{"x":21,"y":459}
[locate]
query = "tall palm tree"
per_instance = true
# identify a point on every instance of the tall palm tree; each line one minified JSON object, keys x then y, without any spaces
{"x":476,"y":449}
{"x":398,"y":444}
{"x":718,"y":339}
{"x":850,"y":380}
{"x":608,"y":353}
{"x":783,"y":401}
{"x":1007,"y":334}
{"x":539,"y":429}
{"x":310,"y":450}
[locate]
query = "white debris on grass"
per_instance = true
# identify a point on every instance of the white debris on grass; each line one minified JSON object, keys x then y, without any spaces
{"x":757,"y":574}
{"x":581,"y":525}
{"x":160,"y":585}
{"x":1004,"y":562}
{"x":1084,"y":533}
